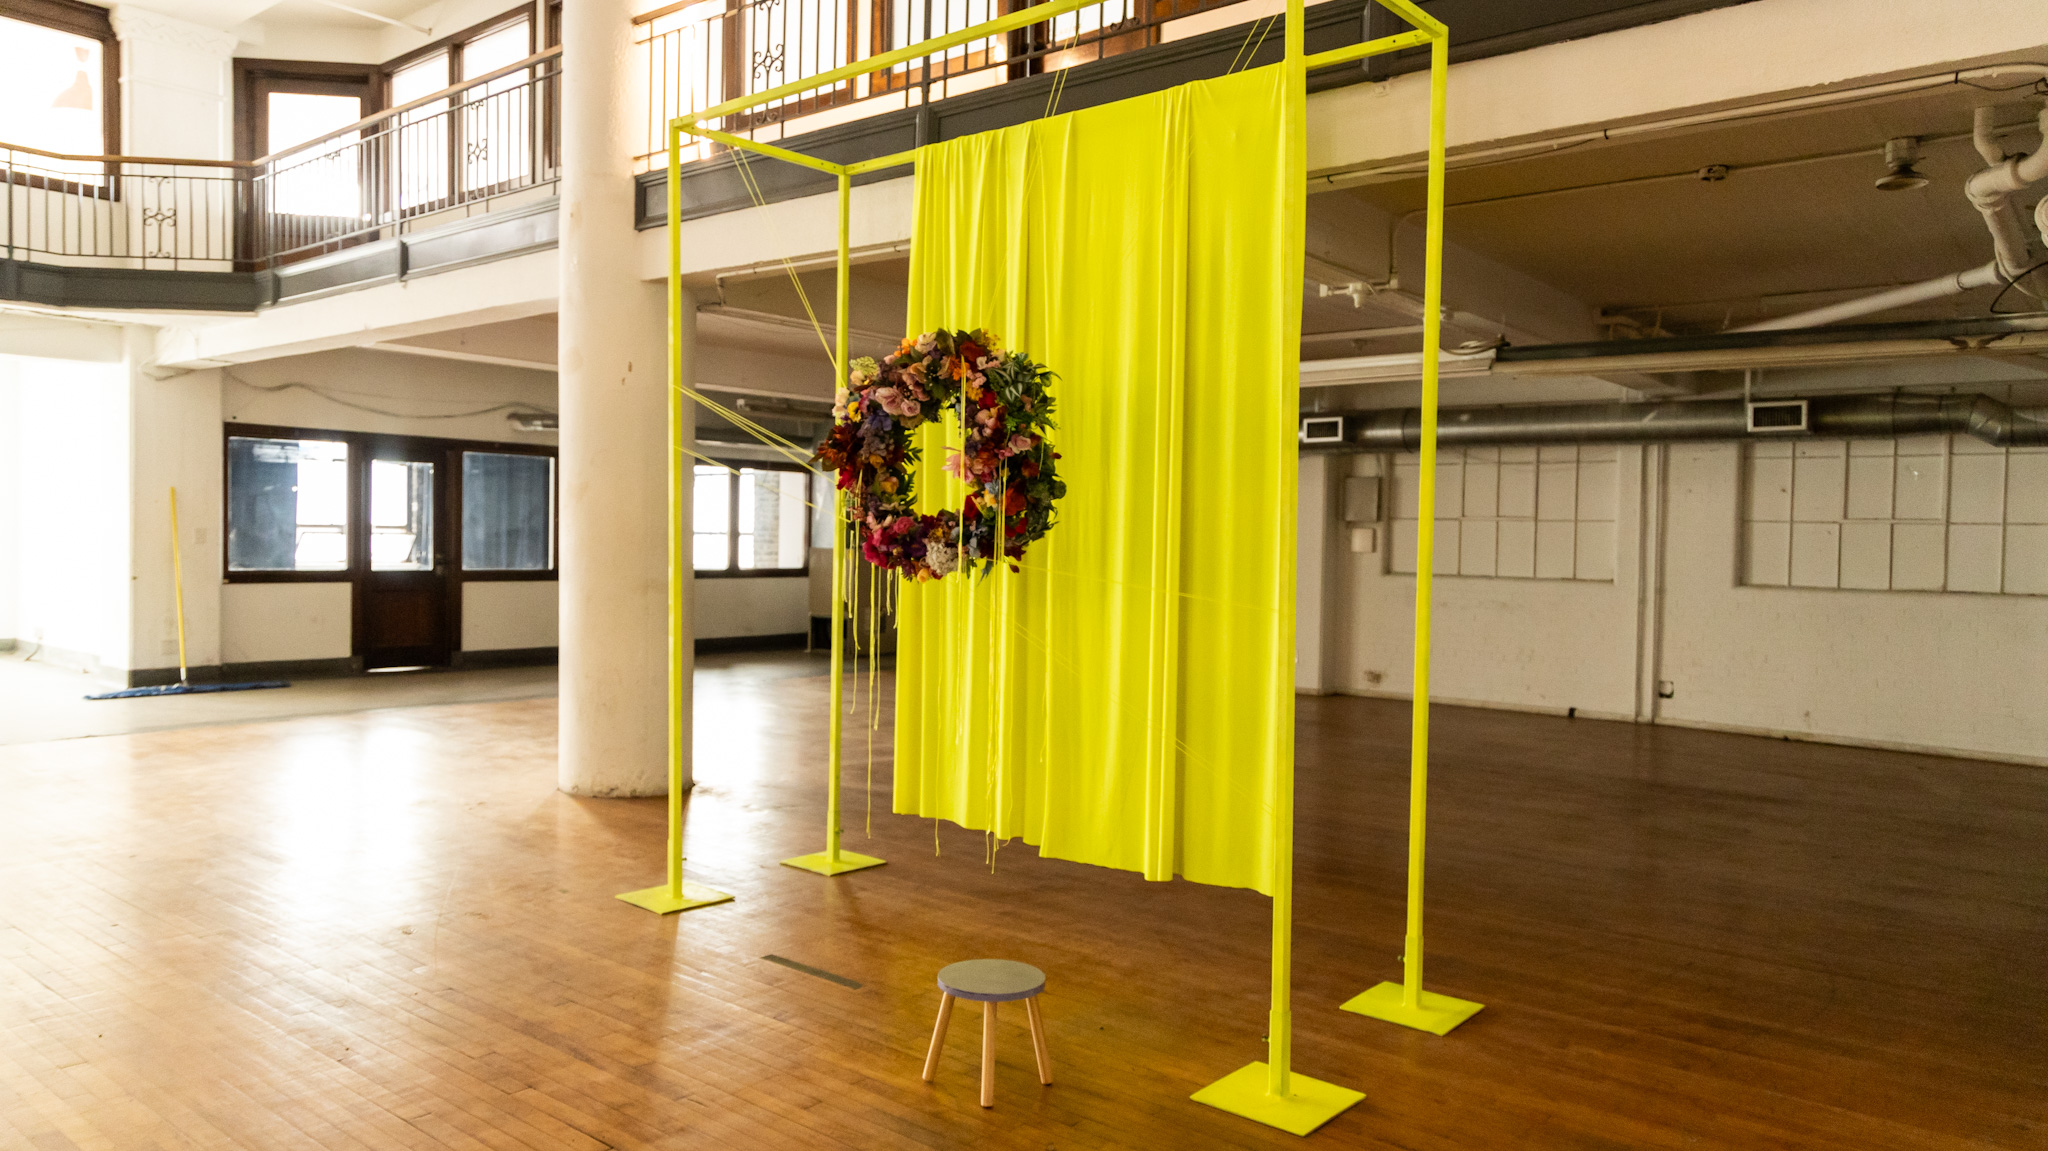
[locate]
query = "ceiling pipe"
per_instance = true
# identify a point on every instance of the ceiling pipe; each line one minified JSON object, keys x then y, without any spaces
{"x":1885,"y":301}
{"x":1400,"y":430}
{"x":1991,"y":191}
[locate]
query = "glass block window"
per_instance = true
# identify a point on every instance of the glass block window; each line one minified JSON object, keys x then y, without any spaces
{"x":1920,"y":513}
{"x":1515,"y":513}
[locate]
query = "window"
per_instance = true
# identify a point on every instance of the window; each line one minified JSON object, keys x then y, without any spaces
{"x":750,"y":520}
{"x":287,"y":505}
{"x":480,"y":140}
{"x":1919,"y":513}
{"x":314,"y":505}
{"x":508,"y":512}
{"x":401,"y":515}
{"x":54,"y":91}
{"x":322,"y":181}
{"x":1519,"y":513}
{"x":422,"y":136}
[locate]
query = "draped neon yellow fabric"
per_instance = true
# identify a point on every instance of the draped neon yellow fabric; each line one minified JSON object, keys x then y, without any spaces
{"x":1127,"y":698}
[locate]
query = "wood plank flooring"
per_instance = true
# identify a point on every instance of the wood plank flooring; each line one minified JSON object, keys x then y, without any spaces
{"x":387,"y":930}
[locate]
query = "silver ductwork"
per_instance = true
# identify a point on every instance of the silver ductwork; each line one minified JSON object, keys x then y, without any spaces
{"x":1400,"y":430}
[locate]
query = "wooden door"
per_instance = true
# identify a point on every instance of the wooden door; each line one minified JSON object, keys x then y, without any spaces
{"x":402,"y":613}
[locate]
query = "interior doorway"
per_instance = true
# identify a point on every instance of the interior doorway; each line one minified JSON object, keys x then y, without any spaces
{"x":402,"y":606}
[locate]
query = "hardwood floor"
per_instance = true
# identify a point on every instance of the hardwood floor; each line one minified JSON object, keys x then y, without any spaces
{"x":387,"y":930}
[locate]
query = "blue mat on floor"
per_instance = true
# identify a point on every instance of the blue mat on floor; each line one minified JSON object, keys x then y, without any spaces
{"x":188,"y":689}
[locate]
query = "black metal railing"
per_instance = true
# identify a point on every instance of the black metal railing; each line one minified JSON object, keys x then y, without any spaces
{"x":489,"y":141}
{"x":423,"y":163}
{"x":133,"y":211}
{"x":700,"y":53}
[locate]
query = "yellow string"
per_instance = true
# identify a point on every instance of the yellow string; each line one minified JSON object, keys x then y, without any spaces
{"x":753,"y":187}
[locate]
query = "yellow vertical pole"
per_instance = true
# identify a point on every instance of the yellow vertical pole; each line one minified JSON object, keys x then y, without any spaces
{"x":178,"y":584}
{"x":1280,"y":1024}
{"x":1425,"y":528}
{"x":1272,"y":1092}
{"x":1408,"y":1004}
{"x":676,"y":494}
{"x":834,"y":860}
{"x":842,"y":307}
{"x":676,"y":894}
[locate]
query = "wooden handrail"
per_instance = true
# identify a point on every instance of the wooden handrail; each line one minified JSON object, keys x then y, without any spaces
{"x":128,"y":159}
{"x":379,"y":117}
{"x":358,"y":126}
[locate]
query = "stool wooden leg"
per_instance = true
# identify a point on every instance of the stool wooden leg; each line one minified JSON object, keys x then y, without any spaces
{"x":1038,"y":1041}
{"x":988,"y":1053}
{"x":931,"y":1060}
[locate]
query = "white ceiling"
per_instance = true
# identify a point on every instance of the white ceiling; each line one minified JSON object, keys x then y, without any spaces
{"x":1629,"y":227}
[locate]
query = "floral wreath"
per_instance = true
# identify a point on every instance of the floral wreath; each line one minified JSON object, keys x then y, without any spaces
{"x":1005,"y":410}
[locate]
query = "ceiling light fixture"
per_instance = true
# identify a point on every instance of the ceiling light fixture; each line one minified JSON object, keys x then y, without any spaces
{"x":1900,"y":154}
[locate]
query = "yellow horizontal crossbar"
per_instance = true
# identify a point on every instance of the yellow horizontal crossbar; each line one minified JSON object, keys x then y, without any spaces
{"x":1379,"y":47}
{"x":1417,"y":19}
{"x":1022,"y":18}
{"x":1427,"y":29}
{"x":730,"y":140}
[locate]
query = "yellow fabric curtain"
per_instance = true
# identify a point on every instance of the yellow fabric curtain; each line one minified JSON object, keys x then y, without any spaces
{"x":1127,"y":698}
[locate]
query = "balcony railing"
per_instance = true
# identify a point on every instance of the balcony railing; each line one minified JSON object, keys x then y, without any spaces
{"x":485,"y":143}
{"x":699,"y":53}
{"x":130,"y":211}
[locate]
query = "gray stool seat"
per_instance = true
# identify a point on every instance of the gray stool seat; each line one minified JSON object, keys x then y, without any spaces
{"x":991,"y":980}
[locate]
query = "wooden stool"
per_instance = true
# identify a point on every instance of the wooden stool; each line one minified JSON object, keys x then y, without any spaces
{"x":989,"y":982}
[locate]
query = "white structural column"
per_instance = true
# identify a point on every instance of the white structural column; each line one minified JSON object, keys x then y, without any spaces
{"x":614,"y":599}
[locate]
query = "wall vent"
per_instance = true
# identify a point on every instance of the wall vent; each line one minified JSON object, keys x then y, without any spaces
{"x":1322,"y":429}
{"x":1776,"y":417}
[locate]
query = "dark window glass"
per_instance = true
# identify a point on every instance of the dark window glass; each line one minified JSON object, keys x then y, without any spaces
{"x":287,"y":505}
{"x":508,"y":506}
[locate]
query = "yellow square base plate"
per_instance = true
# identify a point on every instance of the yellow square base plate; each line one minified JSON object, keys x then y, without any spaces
{"x":1437,"y":1015}
{"x":1312,"y":1103}
{"x":660,"y":901}
{"x":823,"y":863}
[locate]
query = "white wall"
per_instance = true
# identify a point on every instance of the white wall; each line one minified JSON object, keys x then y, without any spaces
{"x":10,"y":509}
{"x":501,"y":615}
{"x":1549,"y":644}
{"x":176,"y":97}
{"x":411,"y":395}
{"x":175,"y":443}
{"x":1946,"y":670}
{"x":740,"y":607}
{"x":414,"y":395}
{"x":70,"y":545}
{"x":266,"y":622}
{"x":1939,"y":671}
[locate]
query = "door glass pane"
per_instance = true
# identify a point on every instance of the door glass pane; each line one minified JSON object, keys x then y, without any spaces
{"x":322,"y":181}
{"x":494,"y":115}
{"x":508,"y":506}
{"x":774,"y":523}
{"x":401,"y":515}
{"x":711,"y":518}
{"x":421,"y":141}
{"x":287,"y":505}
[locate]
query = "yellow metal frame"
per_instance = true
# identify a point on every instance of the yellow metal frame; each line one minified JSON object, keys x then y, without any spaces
{"x":1269,"y":1091}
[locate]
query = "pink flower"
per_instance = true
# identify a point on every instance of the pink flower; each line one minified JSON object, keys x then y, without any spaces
{"x":1020,"y":444}
{"x":956,"y":464}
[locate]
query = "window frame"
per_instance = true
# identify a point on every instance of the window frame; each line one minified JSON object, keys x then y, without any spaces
{"x":361,"y":449}
{"x":732,"y":570}
{"x":490,"y":575}
{"x":456,"y":193}
{"x":256,"y":79}
{"x":95,"y":23}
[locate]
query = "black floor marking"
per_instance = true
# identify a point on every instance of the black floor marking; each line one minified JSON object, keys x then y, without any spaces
{"x":807,"y":969}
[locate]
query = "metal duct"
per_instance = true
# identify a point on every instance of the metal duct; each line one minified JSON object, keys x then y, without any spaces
{"x":1396,"y":430}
